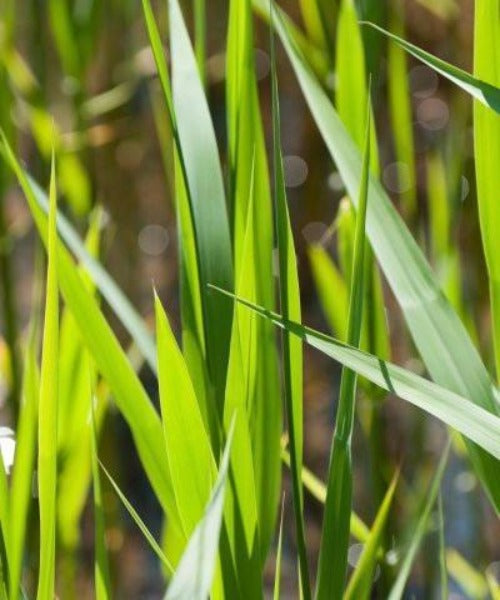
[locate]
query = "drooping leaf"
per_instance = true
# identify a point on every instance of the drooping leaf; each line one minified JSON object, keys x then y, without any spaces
{"x":483,"y":91}
{"x":472,"y":421}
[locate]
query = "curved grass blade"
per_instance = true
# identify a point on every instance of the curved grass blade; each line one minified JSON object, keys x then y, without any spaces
{"x":193,"y":578}
{"x":472,"y":421}
{"x":361,"y":580}
{"x":438,"y":333}
{"x":397,"y":589}
{"x":47,"y":413}
{"x":332,"y":565}
{"x":289,"y":294}
{"x":486,"y":93}
{"x":487,"y":154}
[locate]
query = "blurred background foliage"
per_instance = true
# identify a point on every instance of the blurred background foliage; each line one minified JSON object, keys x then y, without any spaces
{"x":81,"y":72}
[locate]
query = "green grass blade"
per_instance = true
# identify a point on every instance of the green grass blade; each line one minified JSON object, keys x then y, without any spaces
{"x":47,"y":419}
{"x":251,"y":187}
{"x":74,"y":435}
{"x":193,"y":578}
{"x":110,"y":359}
{"x":327,"y":277}
{"x":289,"y":293}
{"x":418,"y":533}
{"x":241,"y":514}
{"x":200,"y":159}
{"x":472,"y":421}
{"x":187,"y":441}
{"x":279,"y":552}
{"x":332,"y":565}
{"x":351,"y":93}
{"x":443,"y":574}
{"x":148,"y":536}
{"x":23,"y":468}
{"x":487,"y":153}
{"x":361,"y":580}
{"x":114,"y":296}
{"x":438,"y":333}
{"x":317,"y":489}
{"x":483,"y":91}
{"x":102,"y":576}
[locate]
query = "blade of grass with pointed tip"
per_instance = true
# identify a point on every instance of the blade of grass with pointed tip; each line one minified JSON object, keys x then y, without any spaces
{"x":110,"y":359}
{"x":47,"y":413}
{"x":438,"y":333}
{"x":102,"y":576}
{"x":418,"y":532}
{"x":250,"y":187}
{"x":186,"y":439}
{"x":473,"y":422}
{"x":332,"y":564}
{"x":361,"y":580}
{"x":483,"y":91}
{"x":487,"y":153}
{"x":148,"y":536}
{"x":289,"y":294}
{"x":193,"y":578}
{"x":24,"y":462}
{"x":200,"y":158}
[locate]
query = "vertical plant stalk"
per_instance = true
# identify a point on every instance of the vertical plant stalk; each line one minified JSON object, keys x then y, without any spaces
{"x":487,"y":152}
{"x":292,"y":349}
{"x":335,"y":533}
{"x":47,"y":422}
